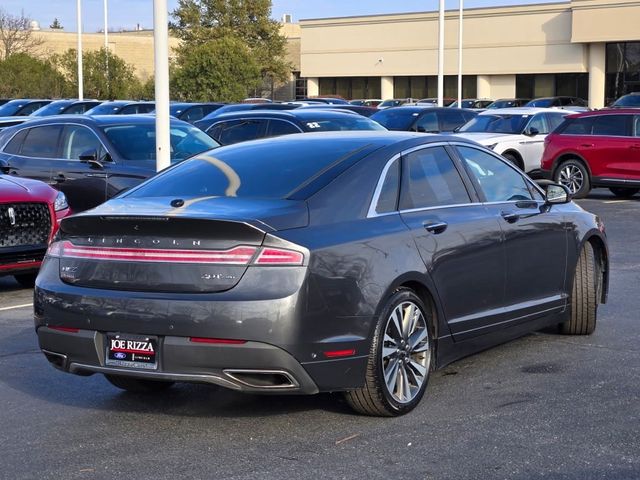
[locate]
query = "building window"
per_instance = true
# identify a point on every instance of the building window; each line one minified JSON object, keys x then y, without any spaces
{"x":419,"y":87}
{"x":623,"y":70}
{"x":551,"y":85}
{"x":301,"y":86}
{"x":350,"y":87}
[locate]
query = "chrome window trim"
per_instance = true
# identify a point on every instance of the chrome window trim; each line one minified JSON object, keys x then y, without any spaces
{"x":63,"y":124}
{"x":371,"y":213}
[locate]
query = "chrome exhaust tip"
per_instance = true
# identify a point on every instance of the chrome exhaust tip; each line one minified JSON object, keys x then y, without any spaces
{"x":263,"y":379}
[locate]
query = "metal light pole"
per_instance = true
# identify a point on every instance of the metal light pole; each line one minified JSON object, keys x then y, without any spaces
{"x":459,"y":54}
{"x":441,"y":54}
{"x":161,"y":60}
{"x":80,"y":78}
{"x":106,"y":45}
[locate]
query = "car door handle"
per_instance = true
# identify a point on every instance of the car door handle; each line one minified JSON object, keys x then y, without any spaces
{"x":96,"y":175}
{"x":510,"y":217}
{"x":59,"y":178}
{"x":586,"y":145}
{"x":435,"y":227}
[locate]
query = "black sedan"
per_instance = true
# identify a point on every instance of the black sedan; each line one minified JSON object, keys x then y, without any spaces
{"x":423,"y":119}
{"x":92,"y":159}
{"x":206,"y":122}
{"x":356,"y":262}
{"x":238,"y":127}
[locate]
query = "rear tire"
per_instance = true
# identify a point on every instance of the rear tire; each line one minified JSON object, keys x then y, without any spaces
{"x":574,"y":175}
{"x":623,"y":192}
{"x":584,"y":296}
{"x":399,"y":363}
{"x":137,"y":385}
{"x":26,"y":280}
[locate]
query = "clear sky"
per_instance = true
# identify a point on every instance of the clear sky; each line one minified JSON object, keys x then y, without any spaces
{"x":127,"y":13}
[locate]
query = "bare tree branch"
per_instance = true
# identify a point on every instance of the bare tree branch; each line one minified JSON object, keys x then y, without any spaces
{"x":16,"y":35}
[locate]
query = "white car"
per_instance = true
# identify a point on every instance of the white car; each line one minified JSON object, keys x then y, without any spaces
{"x":515,"y":133}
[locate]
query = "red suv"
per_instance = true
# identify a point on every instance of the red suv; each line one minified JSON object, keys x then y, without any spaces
{"x":595,"y":149}
{"x":29,"y":215}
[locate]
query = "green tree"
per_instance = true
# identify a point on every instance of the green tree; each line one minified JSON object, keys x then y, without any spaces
{"x":222,"y":69}
{"x":56,"y":25}
{"x":105,"y":75}
{"x":245,"y":22}
{"x":26,"y":76}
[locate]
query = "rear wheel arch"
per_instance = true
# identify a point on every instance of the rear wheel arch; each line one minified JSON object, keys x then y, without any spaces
{"x":569,"y":156}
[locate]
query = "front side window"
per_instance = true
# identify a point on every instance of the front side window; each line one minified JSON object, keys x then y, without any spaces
{"x":427,"y":123}
{"x":576,"y":126}
{"x":78,"y":140}
{"x":449,"y":121}
{"x":554,"y":120}
{"x":613,"y":125}
{"x":430,"y":179}
{"x":41,"y":142}
{"x":538,"y":123}
{"x":237,"y":131}
{"x":497,"y":180}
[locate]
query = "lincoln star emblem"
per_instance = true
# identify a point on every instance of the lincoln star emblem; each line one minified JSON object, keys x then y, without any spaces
{"x":12,"y":216}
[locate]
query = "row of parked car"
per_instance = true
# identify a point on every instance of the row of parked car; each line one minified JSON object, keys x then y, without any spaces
{"x":92,"y":157}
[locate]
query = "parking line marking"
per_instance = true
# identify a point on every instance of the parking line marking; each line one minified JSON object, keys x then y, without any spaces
{"x":615,"y":201}
{"x":4,"y":309}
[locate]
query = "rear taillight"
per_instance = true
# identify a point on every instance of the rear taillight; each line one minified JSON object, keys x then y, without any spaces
{"x":240,"y":255}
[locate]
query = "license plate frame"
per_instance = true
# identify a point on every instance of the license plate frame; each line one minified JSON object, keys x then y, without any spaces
{"x":132,"y":351}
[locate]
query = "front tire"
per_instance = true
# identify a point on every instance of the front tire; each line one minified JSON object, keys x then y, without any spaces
{"x":400,"y":359}
{"x":584,"y":296}
{"x":574,"y":175}
{"x":513,"y":160}
{"x":623,"y":192}
{"x":137,"y":385}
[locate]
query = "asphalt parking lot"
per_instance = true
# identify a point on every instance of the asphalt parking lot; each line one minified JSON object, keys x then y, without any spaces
{"x":545,"y":406}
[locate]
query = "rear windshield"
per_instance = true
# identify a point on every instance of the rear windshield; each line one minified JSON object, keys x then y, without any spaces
{"x":53,"y":108}
{"x":496,"y":124}
{"x":10,"y":108}
{"x":542,"y":102}
{"x":138,"y":142}
{"x":263,"y":169}
{"x":349,"y":122}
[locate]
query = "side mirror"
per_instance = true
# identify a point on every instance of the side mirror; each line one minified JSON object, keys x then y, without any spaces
{"x":557,"y":194}
{"x":532,"y":132}
{"x":4,"y":166}
{"x":89,"y":155}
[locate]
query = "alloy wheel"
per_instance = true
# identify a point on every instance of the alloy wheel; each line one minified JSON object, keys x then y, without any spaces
{"x":405,"y":352}
{"x":572,"y":177}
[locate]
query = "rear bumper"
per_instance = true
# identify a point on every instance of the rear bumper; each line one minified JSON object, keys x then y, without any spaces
{"x":250,"y":367}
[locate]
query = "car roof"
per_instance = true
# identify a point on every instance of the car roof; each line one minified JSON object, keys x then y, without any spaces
{"x":522,"y":111}
{"x":607,"y":111}
{"x":100,"y":120}
{"x":300,"y":114}
{"x":423,"y":108}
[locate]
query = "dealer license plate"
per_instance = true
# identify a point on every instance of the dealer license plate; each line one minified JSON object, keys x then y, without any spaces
{"x":132,"y":351}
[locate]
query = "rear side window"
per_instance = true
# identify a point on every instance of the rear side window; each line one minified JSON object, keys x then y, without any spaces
{"x":16,"y":142}
{"x":430,"y":179}
{"x":388,"y":199}
{"x":237,"y":131}
{"x":636,"y":125}
{"x":614,"y":125}
{"x":280,"y":127}
{"x":576,"y":126}
{"x":193,"y":114}
{"x":41,"y":142}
